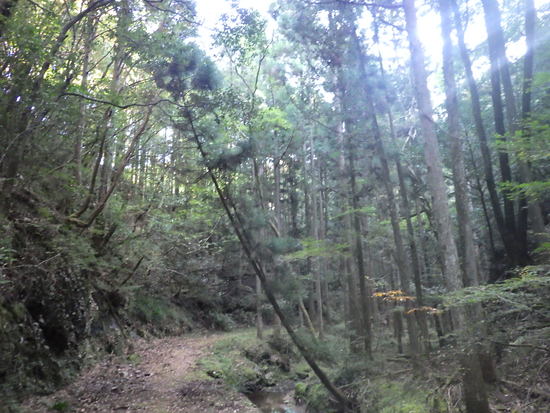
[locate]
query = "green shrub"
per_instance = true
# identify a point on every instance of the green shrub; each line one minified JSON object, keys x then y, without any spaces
{"x":158,"y":313}
{"x":222,"y":322}
{"x":61,"y":406}
{"x":401,"y":397}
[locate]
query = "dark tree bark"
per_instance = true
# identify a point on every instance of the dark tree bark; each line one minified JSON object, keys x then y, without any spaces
{"x":473,"y":388}
{"x":500,"y":74}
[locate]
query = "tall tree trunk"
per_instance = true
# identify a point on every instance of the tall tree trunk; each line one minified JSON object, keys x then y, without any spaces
{"x":436,"y":183}
{"x":279,"y":222}
{"x":348,"y":148}
{"x":293,"y":198}
{"x":259,"y":317}
{"x":500,"y":73}
{"x":315,"y":218}
{"x":405,"y":206}
{"x":469,"y":258}
{"x":506,"y":236}
{"x":533,"y":208}
{"x":258,"y":172}
{"x":355,"y":317}
{"x":366,"y":330}
{"x":400,"y":255}
{"x":498,"y":56}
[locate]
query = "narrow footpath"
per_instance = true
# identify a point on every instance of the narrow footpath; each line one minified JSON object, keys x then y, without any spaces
{"x":161,"y":378}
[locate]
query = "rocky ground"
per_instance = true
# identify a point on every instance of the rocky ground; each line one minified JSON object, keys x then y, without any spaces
{"x":159,"y":377}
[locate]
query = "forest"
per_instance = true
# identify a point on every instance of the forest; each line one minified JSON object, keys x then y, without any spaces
{"x":312,"y":206}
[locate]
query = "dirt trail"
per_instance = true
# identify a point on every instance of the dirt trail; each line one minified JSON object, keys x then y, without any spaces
{"x":162,"y":380}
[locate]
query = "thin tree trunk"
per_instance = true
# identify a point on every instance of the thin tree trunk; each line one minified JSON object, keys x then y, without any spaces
{"x":89,"y":32}
{"x":354,"y":312}
{"x":115,"y":89}
{"x":280,"y":224}
{"x":366,"y":330}
{"x":117,"y":175}
{"x":398,"y":329}
{"x":259,"y":317}
{"x":258,"y":171}
{"x":315,"y":261}
{"x":306,"y":316}
{"x":479,"y":188}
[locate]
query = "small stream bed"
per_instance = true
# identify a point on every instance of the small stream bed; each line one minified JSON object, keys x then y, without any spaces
{"x":269,"y":401}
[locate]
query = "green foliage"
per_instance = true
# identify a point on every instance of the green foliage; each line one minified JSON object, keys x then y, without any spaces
{"x":270,"y":120}
{"x":283,"y":245}
{"x":543,"y":248}
{"x":184,"y":67}
{"x":401,"y":397}
{"x":312,"y":248}
{"x":76,"y":250}
{"x":242,"y":35}
{"x":6,"y":256}
{"x":533,"y":191}
{"x":519,"y":291}
{"x":133,"y":358}
{"x":318,"y":398}
{"x":324,"y":351}
{"x":62,"y":406}
{"x":222,"y":322}
{"x":367,"y":210}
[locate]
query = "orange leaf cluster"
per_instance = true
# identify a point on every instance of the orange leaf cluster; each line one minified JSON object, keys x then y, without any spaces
{"x":394,"y":295}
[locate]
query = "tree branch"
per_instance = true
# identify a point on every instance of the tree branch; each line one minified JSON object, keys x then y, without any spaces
{"x":116,"y":105}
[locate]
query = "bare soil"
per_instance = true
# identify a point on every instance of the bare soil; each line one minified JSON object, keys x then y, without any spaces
{"x":162,"y":379}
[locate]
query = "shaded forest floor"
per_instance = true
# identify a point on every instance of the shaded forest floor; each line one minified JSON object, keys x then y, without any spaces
{"x":200,"y":373}
{"x":160,"y":376}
